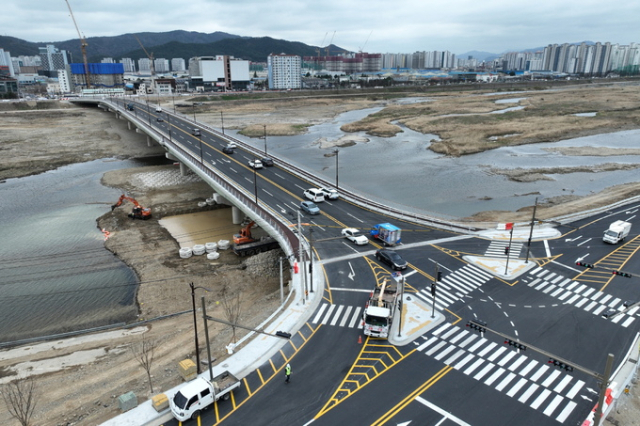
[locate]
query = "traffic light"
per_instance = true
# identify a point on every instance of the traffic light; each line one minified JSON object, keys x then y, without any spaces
{"x":439,"y":276}
{"x":622,"y":274}
{"x":477,"y":325}
{"x":515,"y":344}
{"x":560,"y":364}
{"x":586,"y":265}
{"x":506,"y":251}
{"x":433,"y":289}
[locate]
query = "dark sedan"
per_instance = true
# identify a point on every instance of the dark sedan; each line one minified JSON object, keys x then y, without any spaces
{"x":392,"y":259}
{"x":267,"y":162}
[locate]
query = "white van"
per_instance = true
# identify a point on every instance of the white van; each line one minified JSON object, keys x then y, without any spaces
{"x":314,"y":195}
{"x":158,"y":109}
{"x":195,"y":132}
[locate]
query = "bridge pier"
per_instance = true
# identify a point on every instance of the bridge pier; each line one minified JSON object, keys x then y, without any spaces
{"x":129,"y":125}
{"x":237,"y":216}
{"x":148,"y":141}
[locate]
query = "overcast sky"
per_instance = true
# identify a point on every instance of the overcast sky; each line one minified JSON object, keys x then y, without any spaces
{"x":376,"y":26}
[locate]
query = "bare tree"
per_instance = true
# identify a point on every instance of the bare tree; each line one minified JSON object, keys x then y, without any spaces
{"x":20,"y":396}
{"x":232,"y":305}
{"x":143,"y":352}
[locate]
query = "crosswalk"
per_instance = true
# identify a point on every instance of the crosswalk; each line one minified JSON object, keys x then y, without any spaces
{"x":455,"y":286}
{"x":581,"y":296}
{"x":339,"y":315}
{"x":528,"y":381}
{"x":496,"y":249}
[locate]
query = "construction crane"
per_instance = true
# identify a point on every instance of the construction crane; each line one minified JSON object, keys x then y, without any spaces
{"x":365,"y":43}
{"x":318,"y":67}
{"x":329,"y":45}
{"x":149,"y":55}
{"x":83,"y":47}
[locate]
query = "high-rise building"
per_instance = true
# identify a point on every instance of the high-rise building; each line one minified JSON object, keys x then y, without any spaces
{"x":53,"y":60}
{"x":161,"y":65}
{"x":144,"y":65}
{"x":178,"y":65}
{"x":5,"y":61}
{"x":284,"y":71}
{"x":128,"y":64}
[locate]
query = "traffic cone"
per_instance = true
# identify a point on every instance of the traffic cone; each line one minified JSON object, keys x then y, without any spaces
{"x":360,"y":339}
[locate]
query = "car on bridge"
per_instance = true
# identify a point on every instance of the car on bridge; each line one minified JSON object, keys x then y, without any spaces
{"x":329,"y":193}
{"x":309,"y":207}
{"x":314,"y":195}
{"x":355,"y":236}
{"x":267,"y":162}
{"x":159,"y":120}
{"x":255,"y":164}
{"x":232,"y":145}
{"x":392,"y":259}
{"x":158,"y":109}
{"x":227,"y":150}
{"x":195,"y":132}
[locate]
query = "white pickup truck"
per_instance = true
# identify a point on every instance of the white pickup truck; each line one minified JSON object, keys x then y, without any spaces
{"x":200,"y":393}
{"x":617,"y":232}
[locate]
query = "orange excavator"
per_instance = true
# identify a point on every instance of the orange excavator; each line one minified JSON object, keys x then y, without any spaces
{"x":244,"y":236}
{"x":138,"y":212}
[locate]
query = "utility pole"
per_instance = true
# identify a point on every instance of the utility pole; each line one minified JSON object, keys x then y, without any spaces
{"x":311,"y":259}
{"x":206,"y":332}
{"x":433,"y":291}
{"x":507,"y":250}
{"x":533,"y":218}
{"x":401,"y":306}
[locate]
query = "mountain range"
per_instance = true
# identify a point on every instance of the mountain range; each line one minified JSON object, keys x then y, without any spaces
{"x":171,"y":44}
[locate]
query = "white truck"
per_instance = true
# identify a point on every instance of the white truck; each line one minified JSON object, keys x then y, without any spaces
{"x":617,"y":232}
{"x":380,"y":307}
{"x":200,"y":393}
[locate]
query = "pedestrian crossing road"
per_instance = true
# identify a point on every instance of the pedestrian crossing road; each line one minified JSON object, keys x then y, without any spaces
{"x":526,"y":380}
{"x":456,"y":286}
{"x":582,"y":296}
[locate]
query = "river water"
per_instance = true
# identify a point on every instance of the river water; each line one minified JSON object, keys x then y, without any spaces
{"x":402,"y":171}
{"x":57,"y":276}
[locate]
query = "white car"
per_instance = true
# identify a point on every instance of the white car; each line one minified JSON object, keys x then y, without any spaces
{"x":355,"y":236}
{"x":158,"y":109}
{"x":232,"y":145}
{"x":329,"y":193}
{"x":255,"y":164}
{"x":314,"y":194}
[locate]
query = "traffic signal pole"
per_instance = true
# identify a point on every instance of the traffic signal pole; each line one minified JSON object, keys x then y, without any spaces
{"x":508,"y":251}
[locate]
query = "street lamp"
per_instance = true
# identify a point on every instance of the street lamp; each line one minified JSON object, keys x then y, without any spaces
{"x":265,"y":139}
{"x":336,"y":152}
{"x":194,"y":111}
{"x":195,"y":323}
{"x":222,"y":120}
{"x":255,"y":181}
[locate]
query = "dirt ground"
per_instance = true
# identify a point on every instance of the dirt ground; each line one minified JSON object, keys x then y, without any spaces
{"x":79,"y":379}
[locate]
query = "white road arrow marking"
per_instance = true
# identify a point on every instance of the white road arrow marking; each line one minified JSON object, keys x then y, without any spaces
{"x":352,"y":273}
{"x":581,"y":258}
{"x":405,"y":423}
{"x":592,"y":391}
{"x":585,"y":398}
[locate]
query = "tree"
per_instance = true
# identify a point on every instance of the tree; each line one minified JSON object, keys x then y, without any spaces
{"x":143,"y":352}
{"x":232,"y":305}
{"x":20,"y":396}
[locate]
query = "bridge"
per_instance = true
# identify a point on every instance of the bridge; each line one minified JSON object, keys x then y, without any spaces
{"x":203,"y":155}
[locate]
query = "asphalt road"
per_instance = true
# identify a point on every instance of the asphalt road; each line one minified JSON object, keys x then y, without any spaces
{"x":451,"y":375}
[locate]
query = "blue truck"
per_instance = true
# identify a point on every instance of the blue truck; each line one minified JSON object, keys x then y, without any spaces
{"x":387,"y":233}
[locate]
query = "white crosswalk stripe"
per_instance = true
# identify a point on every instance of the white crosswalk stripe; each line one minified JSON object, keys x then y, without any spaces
{"x":543,"y":388}
{"x":455,"y":286}
{"x":580,"y":295}
{"x":338,"y":315}
{"x":497,"y":249}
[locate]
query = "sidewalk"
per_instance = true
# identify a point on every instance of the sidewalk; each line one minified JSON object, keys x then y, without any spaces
{"x":258,"y":351}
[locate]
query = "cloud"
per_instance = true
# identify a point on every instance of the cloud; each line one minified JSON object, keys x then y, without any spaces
{"x":403,"y":27}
